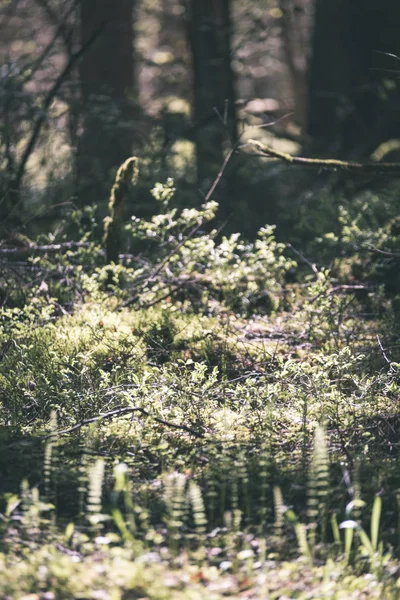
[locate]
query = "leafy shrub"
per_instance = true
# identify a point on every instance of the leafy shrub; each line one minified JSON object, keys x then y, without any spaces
{"x":184,"y":262}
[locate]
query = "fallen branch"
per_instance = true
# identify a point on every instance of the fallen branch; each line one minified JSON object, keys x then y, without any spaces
{"x":30,"y":248}
{"x":124,"y":411}
{"x":383,"y":252}
{"x":327,"y":163}
{"x":339,"y":288}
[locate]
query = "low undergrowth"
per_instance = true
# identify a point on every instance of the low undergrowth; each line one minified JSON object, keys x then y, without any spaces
{"x":210,"y":418}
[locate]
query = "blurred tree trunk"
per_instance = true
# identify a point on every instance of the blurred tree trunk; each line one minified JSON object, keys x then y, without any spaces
{"x":353,"y":99}
{"x":213,"y":86}
{"x":107,"y":87}
{"x":295,"y":31}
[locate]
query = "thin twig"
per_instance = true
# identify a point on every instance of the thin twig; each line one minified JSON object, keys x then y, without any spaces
{"x":383,"y":252}
{"x":221,"y":172}
{"x":32,"y":68}
{"x":304,"y":259}
{"x":383,"y":351}
{"x":60,"y":21}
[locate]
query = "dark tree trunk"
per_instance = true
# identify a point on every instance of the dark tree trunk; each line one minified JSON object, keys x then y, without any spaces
{"x":351,"y":108}
{"x":295,"y":23}
{"x":213,"y":85}
{"x":107,"y":87}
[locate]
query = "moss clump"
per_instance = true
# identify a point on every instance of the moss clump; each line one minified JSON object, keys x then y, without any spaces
{"x":127,"y":175}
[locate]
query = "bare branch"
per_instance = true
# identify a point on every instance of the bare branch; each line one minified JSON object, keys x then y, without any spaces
{"x":32,"y":68}
{"x":120,"y":412}
{"x":303,"y":258}
{"x":30,"y":248}
{"x":339,"y":288}
{"x":383,"y":351}
{"x":60,"y":21}
{"x":47,"y":103}
{"x":383,"y":252}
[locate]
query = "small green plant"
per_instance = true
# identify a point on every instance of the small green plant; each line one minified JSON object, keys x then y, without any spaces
{"x":369,"y":547}
{"x":175,"y":499}
{"x":94,"y":504}
{"x":318,"y":487}
{"x":125,"y":519}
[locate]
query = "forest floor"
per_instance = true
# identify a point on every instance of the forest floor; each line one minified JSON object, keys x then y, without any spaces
{"x":190,"y":455}
{"x":199,"y":423}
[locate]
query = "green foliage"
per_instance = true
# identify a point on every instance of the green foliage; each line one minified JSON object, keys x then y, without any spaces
{"x":173,"y":418}
{"x":367,"y":239}
{"x":185,"y":263}
{"x":159,"y":339}
{"x":318,"y":487}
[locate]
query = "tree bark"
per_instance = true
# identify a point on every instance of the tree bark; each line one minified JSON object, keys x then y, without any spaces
{"x":351,"y":107}
{"x":295,"y":29}
{"x":213,"y":85}
{"x":107,"y":88}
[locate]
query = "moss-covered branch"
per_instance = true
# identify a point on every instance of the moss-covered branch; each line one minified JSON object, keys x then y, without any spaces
{"x":328,"y":163}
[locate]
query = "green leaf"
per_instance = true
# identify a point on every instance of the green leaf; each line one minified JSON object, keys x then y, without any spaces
{"x":375,"y":521}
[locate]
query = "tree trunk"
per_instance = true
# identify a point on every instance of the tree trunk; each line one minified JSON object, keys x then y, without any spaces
{"x":213,"y":85}
{"x":107,"y":87}
{"x":295,"y":30}
{"x":351,"y":108}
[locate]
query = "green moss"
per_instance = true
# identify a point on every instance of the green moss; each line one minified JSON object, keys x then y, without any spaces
{"x":127,"y":176}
